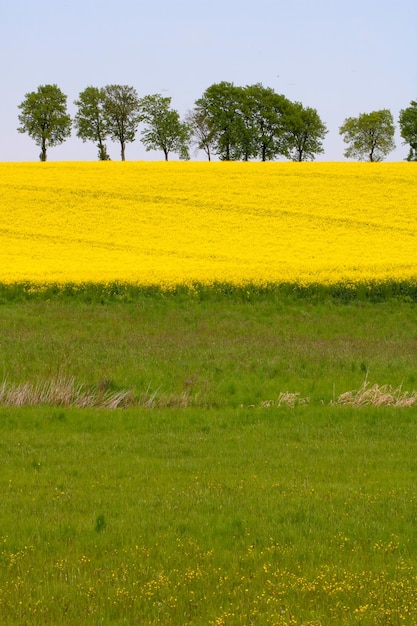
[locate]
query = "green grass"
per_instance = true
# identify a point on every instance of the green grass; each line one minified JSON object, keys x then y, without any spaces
{"x":210,"y":349}
{"x":283,"y":516}
{"x":224,"y":511}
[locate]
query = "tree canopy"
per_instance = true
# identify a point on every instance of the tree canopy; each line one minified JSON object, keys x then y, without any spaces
{"x":263,"y":113}
{"x":255,"y":122}
{"x":408,"y":129}
{"x":370,"y":136}
{"x":163,"y":127}
{"x":44,"y":117}
{"x":304,"y":132}
{"x":201,"y":132}
{"x":219,"y":105}
{"x":227,"y":121}
{"x":121,"y":109}
{"x":91,"y":120}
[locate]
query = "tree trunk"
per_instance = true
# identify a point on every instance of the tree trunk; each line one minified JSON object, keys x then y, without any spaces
{"x":227,"y":157}
{"x":123,"y":147}
{"x":42,"y":155}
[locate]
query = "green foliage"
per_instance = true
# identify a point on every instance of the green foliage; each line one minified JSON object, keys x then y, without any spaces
{"x":235,"y":123}
{"x":370,"y":136}
{"x":219,"y":105}
{"x":202,"y":135}
{"x":408,"y":129}
{"x":255,"y":122}
{"x":91,"y":121}
{"x":164,"y":129}
{"x":44,"y":117}
{"x":263,"y":112}
{"x":121,"y":110}
{"x":284,"y":293}
{"x":304,"y":132}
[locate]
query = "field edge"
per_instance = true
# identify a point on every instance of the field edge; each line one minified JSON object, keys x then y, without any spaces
{"x":120,"y":291}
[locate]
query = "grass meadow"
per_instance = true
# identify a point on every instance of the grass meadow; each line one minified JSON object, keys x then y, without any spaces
{"x":233,"y":487}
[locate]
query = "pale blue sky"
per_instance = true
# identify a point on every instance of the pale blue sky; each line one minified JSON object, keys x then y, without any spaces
{"x":342,"y":57}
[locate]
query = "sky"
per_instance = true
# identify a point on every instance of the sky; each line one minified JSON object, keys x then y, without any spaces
{"x":341,"y":57}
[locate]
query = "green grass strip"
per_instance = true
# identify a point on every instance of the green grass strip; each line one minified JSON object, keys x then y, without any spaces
{"x":121,"y":291}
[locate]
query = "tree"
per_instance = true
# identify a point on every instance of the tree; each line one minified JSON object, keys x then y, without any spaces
{"x":91,"y":120}
{"x":370,"y":136}
{"x":264,"y":112}
{"x":44,"y":117}
{"x":220,"y":105}
{"x":242,"y":122}
{"x":163,"y":127}
{"x":244,"y":144}
{"x":202,"y":133}
{"x":408,"y":129}
{"x":255,"y":122}
{"x":121,"y":109}
{"x":304,"y":132}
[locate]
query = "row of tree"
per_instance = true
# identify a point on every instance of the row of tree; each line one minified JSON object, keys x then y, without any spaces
{"x":231,"y":122}
{"x":114,"y":112}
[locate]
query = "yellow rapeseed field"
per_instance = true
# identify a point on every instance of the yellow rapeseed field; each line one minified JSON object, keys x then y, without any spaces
{"x":182,"y":222}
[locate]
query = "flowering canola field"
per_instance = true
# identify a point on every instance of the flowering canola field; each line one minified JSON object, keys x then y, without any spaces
{"x":182,"y":222}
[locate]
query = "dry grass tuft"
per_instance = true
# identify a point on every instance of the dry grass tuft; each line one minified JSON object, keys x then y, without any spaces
{"x":62,"y":391}
{"x":374,"y":395}
{"x":286,"y":398}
